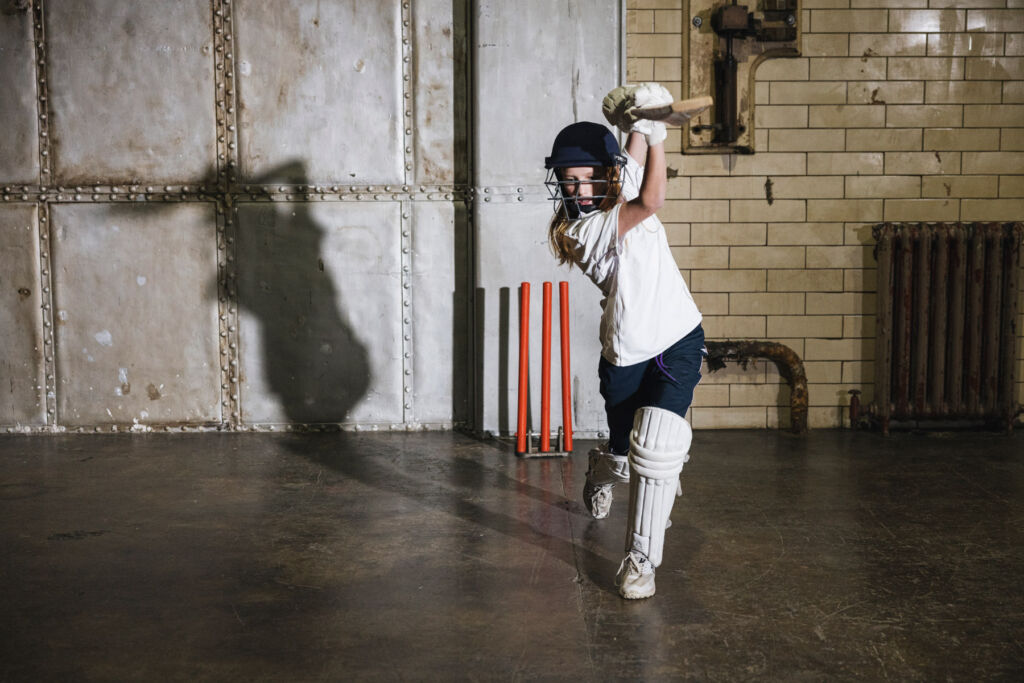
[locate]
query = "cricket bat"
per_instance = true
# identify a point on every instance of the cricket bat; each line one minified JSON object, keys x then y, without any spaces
{"x":676,"y":114}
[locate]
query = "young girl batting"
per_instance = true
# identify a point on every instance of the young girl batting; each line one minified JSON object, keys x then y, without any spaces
{"x":652,"y":342}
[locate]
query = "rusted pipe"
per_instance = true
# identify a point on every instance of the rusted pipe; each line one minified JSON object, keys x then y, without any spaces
{"x":790,"y":366}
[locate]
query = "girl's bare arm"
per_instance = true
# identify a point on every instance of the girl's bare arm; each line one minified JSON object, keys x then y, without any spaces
{"x":653,"y":187}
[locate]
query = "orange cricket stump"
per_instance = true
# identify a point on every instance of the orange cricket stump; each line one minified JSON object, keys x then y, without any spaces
{"x":522,"y":438}
{"x":545,"y":373}
{"x":563,"y":310}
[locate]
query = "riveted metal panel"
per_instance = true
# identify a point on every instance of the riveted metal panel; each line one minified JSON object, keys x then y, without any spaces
{"x":131,"y":91}
{"x":136,"y":314}
{"x":320,"y":312}
{"x":439,"y":314}
{"x":19,"y":147}
{"x":321,"y":82}
{"x":21,"y":320}
{"x":440,"y":70}
{"x":540,"y":65}
{"x":565,"y":57}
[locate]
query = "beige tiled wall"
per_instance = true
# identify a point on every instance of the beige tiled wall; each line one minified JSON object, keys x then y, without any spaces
{"x":896,"y":110}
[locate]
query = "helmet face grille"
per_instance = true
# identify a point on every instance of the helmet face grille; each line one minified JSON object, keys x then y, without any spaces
{"x":568,"y":203}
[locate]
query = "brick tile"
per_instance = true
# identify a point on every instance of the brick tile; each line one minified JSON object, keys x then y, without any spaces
{"x":728,"y":233}
{"x":885,"y":92}
{"x":767,"y":257}
{"x":922,"y":209}
{"x":963,"y":92}
{"x":800,"y":280}
{"x":768,"y":303}
{"x":960,"y":186}
{"x":814,"y":326}
{"x":926,"y":21}
{"x":829,"y":210}
{"x":859,"y":256}
{"x":874,"y":140}
{"x":729,"y":281}
{"x":883,"y":186}
{"x":805,"y":233}
{"x":961,"y":139}
{"x":851,"y":303}
{"x":845,"y":163}
{"x":925,"y":163}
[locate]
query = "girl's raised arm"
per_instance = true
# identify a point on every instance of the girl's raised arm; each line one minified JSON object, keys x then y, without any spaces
{"x":655,"y":182}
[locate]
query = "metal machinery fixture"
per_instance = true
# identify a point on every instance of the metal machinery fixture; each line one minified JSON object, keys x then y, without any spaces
{"x":737,"y":40}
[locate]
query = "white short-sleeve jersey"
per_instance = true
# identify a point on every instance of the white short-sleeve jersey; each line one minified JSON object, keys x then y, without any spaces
{"x":647,"y":306}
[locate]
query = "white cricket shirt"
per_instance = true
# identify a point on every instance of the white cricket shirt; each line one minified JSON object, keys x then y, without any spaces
{"x":647,"y":306}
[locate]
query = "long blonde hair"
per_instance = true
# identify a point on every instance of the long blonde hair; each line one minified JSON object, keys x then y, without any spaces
{"x":557,"y":238}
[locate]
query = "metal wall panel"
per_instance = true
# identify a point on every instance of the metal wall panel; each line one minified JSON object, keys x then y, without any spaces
{"x":136,"y":310}
{"x":539,"y":66}
{"x":320,"y":312}
{"x":439,"y":315}
{"x":131,"y":91}
{"x":322,"y":83}
{"x":440,"y":106}
{"x":21,"y":322}
{"x":19,"y":146}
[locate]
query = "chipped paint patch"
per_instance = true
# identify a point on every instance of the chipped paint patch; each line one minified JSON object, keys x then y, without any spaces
{"x":126,"y":387}
{"x":104,"y":338}
{"x":141,"y":280}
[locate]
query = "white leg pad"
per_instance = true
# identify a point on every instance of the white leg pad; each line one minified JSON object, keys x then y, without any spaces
{"x":659,"y":446}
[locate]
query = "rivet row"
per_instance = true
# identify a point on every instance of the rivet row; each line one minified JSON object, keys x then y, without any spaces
{"x":407,"y":53}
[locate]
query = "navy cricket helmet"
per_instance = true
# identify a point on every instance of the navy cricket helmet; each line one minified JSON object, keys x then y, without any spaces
{"x":581,"y":144}
{"x":584,"y":144}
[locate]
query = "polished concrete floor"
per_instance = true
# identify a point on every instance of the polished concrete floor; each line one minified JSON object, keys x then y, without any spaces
{"x":329,"y":557}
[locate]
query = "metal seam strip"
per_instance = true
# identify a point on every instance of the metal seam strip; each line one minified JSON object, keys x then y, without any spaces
{"x":227,"y":118}
{"x":235,"y":193}
{"x":42,"y":93}
{"x":405,"y":224}
{"x":43,"y":215}
{"x":46,"y":284}
{"x":227,"y":309}
{"x":407,"y":331}
{"x":407,"y":95}
{"x":271,"y":427}
{"x":255,"y":427}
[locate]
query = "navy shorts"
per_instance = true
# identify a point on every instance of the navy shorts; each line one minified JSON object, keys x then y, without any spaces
{"x":665,"y":381}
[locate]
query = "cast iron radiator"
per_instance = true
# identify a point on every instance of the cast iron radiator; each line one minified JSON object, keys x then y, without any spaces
{"x":945,"y":349}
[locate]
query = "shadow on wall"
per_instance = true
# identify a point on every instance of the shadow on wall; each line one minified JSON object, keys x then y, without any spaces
{"x":313,"y":364}
{"x":312,"y":360}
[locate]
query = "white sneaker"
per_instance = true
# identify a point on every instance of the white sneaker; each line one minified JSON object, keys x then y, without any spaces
{"x":635,"y":578}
